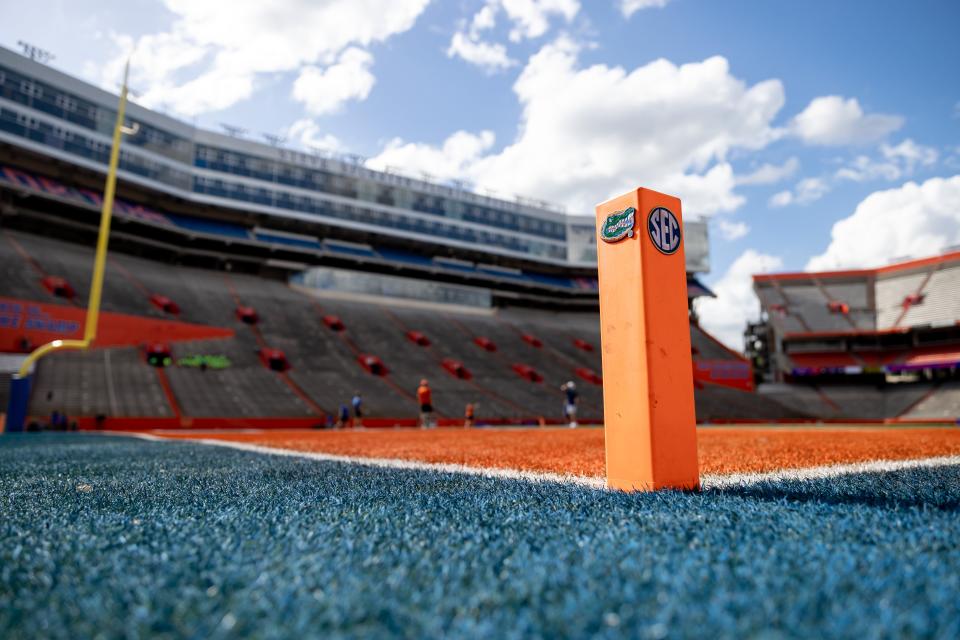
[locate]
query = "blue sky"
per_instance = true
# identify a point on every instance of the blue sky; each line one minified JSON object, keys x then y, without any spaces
{"x":812,"y":134}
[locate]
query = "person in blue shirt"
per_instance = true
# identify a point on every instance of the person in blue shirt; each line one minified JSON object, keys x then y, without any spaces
{"x":343,"y":418}
{"x":357,"y":410}
{"x":571,"y":398}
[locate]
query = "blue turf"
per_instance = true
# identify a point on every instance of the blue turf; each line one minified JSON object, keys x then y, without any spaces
{"x":132,"y":538}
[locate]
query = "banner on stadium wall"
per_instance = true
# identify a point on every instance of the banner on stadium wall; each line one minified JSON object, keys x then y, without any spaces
{"x":728,"y":373}
{"x":25,"y":325}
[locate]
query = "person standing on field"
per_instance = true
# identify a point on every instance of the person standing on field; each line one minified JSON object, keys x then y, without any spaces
{"x":357,"y":409}
{"x":425,"y":398}
{"x":571,"y":398}
{"x":468,"y":421}
{"x":343,"y":417}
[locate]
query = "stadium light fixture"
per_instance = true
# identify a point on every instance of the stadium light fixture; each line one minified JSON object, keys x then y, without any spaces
{"x":233,"y":131}
{"x":35,"y":53}
{"x":274,"y":140}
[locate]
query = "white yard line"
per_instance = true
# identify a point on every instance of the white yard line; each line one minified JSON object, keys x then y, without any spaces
{"x":388,"y":463}
{"x":716,"y":481}
{"x":707,"y":481}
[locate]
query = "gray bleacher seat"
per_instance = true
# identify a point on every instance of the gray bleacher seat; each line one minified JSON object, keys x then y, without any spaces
{"x":810,"y":303}
{"x":4,"y":390}
{"x":714,"y":402}
{"x":943,"y":402}
{"x":324,"y":364}
{"x":706,"y":348}
{"x":891,"y":292}
{"x":19,"y":279}
{"x":112,"y":382}
{"x":941,"y":302}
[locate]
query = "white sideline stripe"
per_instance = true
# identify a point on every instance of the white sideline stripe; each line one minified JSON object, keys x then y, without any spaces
{"x":707,"y":481}
{"x":392,"y":463}
{"x":719,"y":481}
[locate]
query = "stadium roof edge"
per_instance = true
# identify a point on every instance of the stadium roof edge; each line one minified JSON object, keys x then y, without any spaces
{"x":952,"y":256}
{"x":86,"y":89}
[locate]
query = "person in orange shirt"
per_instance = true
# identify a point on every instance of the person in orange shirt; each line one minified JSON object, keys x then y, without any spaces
{"x":425,"y":399}
{"x":468,"y":415}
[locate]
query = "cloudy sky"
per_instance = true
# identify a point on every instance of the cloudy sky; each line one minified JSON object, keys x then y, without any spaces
{"x":813,"y":134}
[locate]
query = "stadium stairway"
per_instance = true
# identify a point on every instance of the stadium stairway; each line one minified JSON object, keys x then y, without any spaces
{"x":381,"y":331}
{"x":455,"y":341}
{"x":555,"y":369}
{"x":323,"y":362}
{"x":450,"y":343}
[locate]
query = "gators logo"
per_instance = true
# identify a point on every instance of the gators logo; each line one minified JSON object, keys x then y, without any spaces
{"x":618,"y":225}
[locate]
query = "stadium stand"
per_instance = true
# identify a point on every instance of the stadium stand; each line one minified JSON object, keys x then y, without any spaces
{"x":111,"y":382}
{"x":942,"y":400}
{"x":717,"y":403}
{"x":706,"y":347}
{"x":324,"y":364}
{"x":849,"y":401}
{"x":860,"y":337}
{"x":892,"y":292}
{"x":233,"y":221}
{"x":939,"y":299}
{"x":5,"y":387}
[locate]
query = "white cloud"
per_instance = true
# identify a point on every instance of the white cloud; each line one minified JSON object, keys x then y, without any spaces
{"x":726,"y":315}
{"x":531,"y":18}
{"x":770,"y":173}
{"x":210,"y":91}
{"x":733,"y":230}
{"x":912,"y":220}
{"x":451,"y":161}
{"x":306,"y":133}
{"x":833,"y":120}
{"x":806,"y":191}
{"x":486,"y":18}
{"x":896,"y":162}
{"x":781,"y":199}
{"x":630,"y":7}
{"x":486,"y":55}
{"x":590,"y":133}
{"x":910,"y":152}
{"x":214,"y":50}
{"x":326,"y":90}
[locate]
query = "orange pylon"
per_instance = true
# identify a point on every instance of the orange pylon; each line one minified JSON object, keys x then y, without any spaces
{"x":649,"y":414}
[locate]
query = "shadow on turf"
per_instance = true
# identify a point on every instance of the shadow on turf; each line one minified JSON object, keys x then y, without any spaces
{"x":936,"y":487}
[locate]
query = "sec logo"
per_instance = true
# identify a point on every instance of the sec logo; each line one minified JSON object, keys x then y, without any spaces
{"x":664,"y":229}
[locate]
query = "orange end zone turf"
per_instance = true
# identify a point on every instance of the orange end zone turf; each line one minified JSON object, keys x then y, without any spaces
{"x":581,"y":451}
